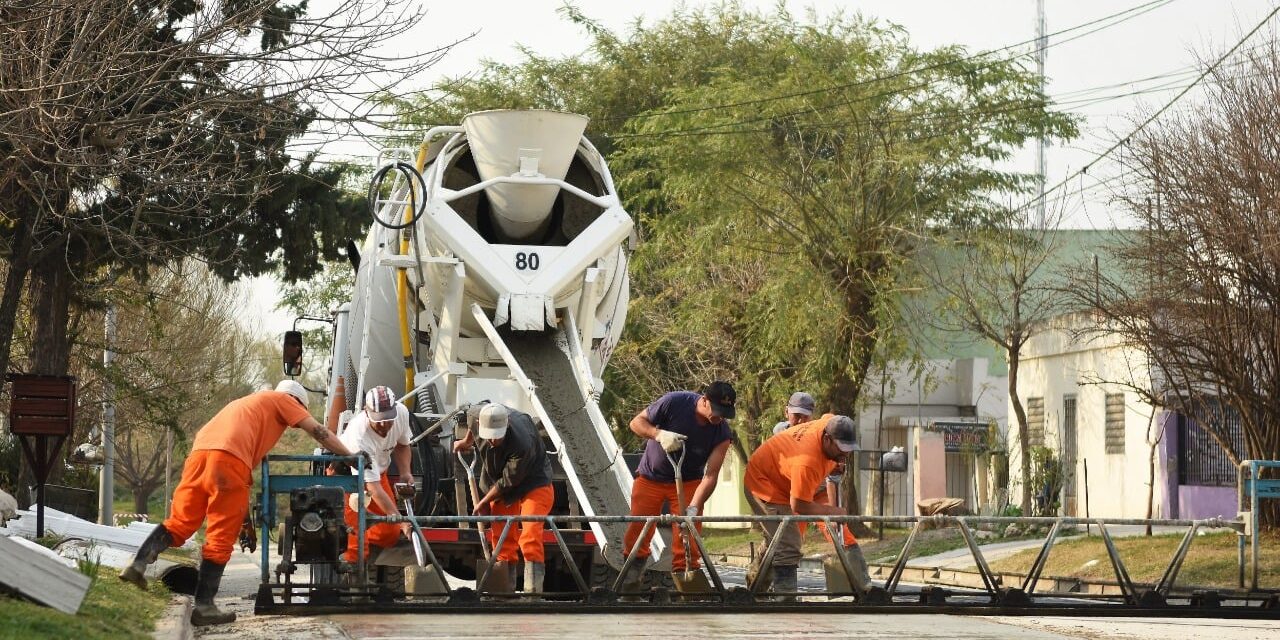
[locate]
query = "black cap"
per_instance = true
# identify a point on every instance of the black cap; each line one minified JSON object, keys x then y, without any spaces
{"x":722,"y":398}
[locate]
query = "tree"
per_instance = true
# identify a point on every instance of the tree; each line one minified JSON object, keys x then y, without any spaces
{"x":180,"y":356}
{"x":1197,"y":291}
{"x":784,"y":172}
{"x":138,"y":134}
{"x":1004,"y":293}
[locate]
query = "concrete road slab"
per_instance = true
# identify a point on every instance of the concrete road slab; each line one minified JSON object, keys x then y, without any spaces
{"x":1149,"y":629}
{"x":665,"y":626}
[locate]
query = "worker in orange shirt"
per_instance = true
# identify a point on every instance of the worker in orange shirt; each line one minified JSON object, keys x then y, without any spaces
{"x":215,"y":484}
{"x":785,"y":473}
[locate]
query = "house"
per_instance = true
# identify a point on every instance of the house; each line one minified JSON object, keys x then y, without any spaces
{"x":1088,"y":401}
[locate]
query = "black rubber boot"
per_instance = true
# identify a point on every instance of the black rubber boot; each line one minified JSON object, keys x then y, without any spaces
{"x":784,"y":582}
{"x":205,"y":612}
{"x":158,"y":541}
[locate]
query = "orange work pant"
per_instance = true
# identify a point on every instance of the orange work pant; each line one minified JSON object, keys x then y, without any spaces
{"x":647,"y":497}
{"x":383,"y":534}
{"x":214,"y":490}
{"x":535,"y":503}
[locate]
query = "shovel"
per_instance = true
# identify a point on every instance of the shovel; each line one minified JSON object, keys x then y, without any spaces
{"x":424,"y":578}
{"x":498,"y":581}
{"x":690,"y":580}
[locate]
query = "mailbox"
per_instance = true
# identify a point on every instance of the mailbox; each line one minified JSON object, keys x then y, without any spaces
{"x":42,"y":405}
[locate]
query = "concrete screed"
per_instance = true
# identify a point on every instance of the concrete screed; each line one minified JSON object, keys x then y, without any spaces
{"x":241,"y":583}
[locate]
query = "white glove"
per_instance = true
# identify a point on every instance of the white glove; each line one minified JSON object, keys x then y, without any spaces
{"x":691,"y":511}
{"x":670,"y":440}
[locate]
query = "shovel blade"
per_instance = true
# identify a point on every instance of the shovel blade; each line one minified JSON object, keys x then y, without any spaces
{"x":423,"y":581}
{"x":499,"y":581}
{"x":837,"y":579}
{"x":691,"y":582}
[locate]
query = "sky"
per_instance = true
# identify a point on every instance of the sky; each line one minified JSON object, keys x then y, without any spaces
{"x":1093,"y":71}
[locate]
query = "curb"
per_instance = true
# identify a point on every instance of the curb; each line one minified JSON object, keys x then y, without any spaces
{"x":175,"y":622}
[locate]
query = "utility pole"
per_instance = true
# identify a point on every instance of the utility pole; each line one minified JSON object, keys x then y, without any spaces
{"x":1042,"y":45}
{"x":106,"y":481}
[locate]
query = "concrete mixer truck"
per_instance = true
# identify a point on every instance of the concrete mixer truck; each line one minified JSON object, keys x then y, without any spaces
{"x":495,"y":269}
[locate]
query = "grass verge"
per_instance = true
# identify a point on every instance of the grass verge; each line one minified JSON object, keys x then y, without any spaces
{"x":928,"y":542}
{"x":1211,"y":560}
{"x":112,"y":609}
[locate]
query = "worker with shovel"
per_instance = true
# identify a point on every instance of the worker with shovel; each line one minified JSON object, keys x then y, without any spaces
{"x":515,"y":475}
{"x":382,"y":431}
{"x":695,"y":424}
{"x":784,"y":475}
{"x":215,"y":484}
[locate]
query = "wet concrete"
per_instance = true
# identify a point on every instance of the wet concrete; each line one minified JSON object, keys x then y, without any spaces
{"x":549,"y":368}
{"x":704,"y":625}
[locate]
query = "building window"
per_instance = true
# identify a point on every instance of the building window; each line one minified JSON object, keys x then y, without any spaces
{"x":1035,"y":421}
{"x":1201,"y":460}
{"x":1115,"y":423}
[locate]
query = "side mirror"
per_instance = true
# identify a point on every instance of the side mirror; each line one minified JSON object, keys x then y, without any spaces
{"x":292,"y":353}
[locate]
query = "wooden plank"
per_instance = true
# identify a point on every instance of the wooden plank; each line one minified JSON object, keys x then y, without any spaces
{"x":40,"y":579}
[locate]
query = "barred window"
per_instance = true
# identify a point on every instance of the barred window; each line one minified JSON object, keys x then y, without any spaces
{"x":1115,"y":423}
{"x":1201,"y":458}
{"x":1035,"y":421}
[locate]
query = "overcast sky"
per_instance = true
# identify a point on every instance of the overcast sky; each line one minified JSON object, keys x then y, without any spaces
{"x":1088,"y":72}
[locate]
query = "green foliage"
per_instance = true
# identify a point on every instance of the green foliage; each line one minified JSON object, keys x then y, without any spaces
{"x":784,"y":173}
{"x":112,"y":609}
{"x":1046,"y":481}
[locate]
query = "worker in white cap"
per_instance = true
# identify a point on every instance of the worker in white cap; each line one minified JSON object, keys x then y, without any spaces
{"x":382,"y":431}
{"x":799,"y":409}
{"x":515,"y":476}
{"x":216,"y":480}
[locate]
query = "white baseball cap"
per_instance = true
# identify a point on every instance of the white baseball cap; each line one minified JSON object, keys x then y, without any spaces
{"x":380,"y":404}
{"x":295,"y":389}
{"x":493,"y":422}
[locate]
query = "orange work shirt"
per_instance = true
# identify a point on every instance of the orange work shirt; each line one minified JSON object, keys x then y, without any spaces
{"x":247,"y":428}
{"x":790,"y":464}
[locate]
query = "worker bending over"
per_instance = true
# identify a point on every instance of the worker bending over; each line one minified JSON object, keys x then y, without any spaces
{"x":216,"y":478}
{"x":784,"y":474}
{"x":382,"y":431}
{"x":515,"y":476}
{"x":699,"y":424}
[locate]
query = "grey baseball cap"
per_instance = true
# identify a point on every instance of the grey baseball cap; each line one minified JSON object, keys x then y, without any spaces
{"x":844,"y":432}
{"x":800,"y":402}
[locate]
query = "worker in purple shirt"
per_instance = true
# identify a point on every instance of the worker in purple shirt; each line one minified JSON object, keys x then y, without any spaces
{"x":698,"y":422}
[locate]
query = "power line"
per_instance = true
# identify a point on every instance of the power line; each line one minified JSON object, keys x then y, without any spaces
{"x":1168,"y":105}
{"x":1135,"y":11}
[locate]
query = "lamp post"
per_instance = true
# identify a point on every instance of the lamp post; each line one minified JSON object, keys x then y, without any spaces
{"x":106,"y":481}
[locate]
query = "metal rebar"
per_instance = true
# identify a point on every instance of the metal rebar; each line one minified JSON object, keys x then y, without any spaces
{"x":1122,"y":574}
{"x":649,"y":523}
{"x":981,"y":562}
{"x":502,"y":538}
{"x":1033,"y":576}
{"x":766,"y":563}
{"x":568,"y":557}
{"x":891,"y":584}
{"x":1175,"y":563}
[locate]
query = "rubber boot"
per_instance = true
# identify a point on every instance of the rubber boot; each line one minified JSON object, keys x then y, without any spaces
{"x":513,"y":575}
{"x":534,"y":575}
{"x":157,"y":541}
{"x":633,"y":582}
{"x":784,"y":581}
{"x":205,"y":612}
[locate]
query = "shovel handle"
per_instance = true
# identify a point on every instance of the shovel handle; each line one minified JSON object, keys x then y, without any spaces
{"x":474,"y":489}
{"x":684,"y":525}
